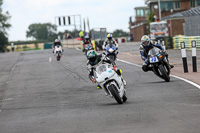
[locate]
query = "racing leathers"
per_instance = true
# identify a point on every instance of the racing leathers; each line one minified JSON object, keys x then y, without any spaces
{"x":112,"y":41}
{"x":55,"y":44}
{"x":87,"y":42}
{"x":144,"y":53}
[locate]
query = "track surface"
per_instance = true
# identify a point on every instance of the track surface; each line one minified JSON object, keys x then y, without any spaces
{"x":38,"y":96}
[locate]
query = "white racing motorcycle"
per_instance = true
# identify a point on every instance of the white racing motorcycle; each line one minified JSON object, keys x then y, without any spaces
{"x":58,"y":52}
{"x":111,"y":82}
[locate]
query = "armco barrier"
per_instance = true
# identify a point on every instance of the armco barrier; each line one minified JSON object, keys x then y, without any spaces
{"x":188,"y":41}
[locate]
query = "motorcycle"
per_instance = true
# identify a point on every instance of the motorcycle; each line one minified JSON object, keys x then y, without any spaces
{"x":159,"y":64}
{"x":58,"y":52}
{"x":111,"y":52}
{"x":111,"y":82}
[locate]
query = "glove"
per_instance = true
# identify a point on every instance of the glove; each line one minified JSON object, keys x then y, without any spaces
{"x":115,"y":68}
{"x":94,"y":80}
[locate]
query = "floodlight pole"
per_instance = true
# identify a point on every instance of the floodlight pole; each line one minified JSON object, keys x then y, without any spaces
{"x":159,"y":10}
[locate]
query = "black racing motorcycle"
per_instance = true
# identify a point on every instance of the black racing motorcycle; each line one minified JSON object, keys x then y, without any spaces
{"x":159,"y":63}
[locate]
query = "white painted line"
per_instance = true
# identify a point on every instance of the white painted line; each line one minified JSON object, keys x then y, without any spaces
{"x":188,"y":81}
{"x":129,"y":63}
{"x":0,"y":110}
{"x":13,"y":68}
{"x":8,"y":99}
{"x":49,"y":59}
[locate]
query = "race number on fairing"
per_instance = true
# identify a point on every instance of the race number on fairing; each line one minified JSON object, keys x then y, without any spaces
{"x":153,"y":59}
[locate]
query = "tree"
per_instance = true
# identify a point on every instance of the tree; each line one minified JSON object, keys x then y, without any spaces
{"x":150,"y":19}
{"x":4,"y":26}
{"x":120,"y":33}
{"x":46,"y":31}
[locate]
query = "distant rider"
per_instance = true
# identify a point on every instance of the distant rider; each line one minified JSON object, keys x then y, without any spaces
{"x":57,"y":42}
{"x":86,"y":40}
{"x":94,"y":60}
{"x":108,"y":40}
{"x":144,"y":49}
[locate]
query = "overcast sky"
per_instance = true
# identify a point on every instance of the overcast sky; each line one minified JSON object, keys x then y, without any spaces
{"x":112,"y":14}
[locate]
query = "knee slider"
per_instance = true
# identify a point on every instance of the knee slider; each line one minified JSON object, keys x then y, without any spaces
{"x":145,"y":68}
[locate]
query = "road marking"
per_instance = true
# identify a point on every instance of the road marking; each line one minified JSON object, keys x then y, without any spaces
{"x":13,"y":68}
{"x":78,"y":49}
{"x":188,"y":81}
{"x":49,"y":59}
{"x":0,"y":110}
{"x":129,"y":63}
{"x":8,"y":99}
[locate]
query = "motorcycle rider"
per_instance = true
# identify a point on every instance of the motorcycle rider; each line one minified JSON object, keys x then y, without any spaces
{"x":108,"y":40}
{"x":144,"y":49}
{"x":57,"y":42}
{"x":94,"y":60}
{"x":86,"y":40}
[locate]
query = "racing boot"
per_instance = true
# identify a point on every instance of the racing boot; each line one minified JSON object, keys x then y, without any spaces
{"x":99,"y":87}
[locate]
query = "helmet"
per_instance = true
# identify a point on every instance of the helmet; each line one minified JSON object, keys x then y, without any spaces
{"x":57,"y":40}
{"x":87,"y":39}
{"x":109,"y":36}
{"x":145,"y":40}
{"x":92,"y":56}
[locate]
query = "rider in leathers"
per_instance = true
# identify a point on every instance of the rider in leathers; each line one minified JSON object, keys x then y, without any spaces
{"x":144,"y":49}
{"x":111,"y":40}
{"x":94,"y":60}
{"x":57,"y":42}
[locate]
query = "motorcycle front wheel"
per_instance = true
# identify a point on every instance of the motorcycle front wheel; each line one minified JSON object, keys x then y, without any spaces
{"x":115,"y":94}
{"x":112,"y":58}
{"x":164,"y":73}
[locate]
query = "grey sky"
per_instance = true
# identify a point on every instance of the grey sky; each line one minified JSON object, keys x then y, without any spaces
{"x":112,"y":14}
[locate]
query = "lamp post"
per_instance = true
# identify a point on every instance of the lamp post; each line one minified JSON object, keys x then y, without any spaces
{"x":159,"y":10}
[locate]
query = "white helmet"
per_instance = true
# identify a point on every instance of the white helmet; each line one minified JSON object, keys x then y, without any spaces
{"x":57,"y":40}
{"x":145,"y":40}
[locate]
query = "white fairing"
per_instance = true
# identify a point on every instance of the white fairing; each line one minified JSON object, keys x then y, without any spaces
{"x":57,"y":49}
{"x":105,"y":74}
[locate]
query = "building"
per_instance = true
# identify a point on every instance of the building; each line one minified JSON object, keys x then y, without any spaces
{"x":172,"y":8}
{"x":169,"y":7}
{"x":137,"y":27}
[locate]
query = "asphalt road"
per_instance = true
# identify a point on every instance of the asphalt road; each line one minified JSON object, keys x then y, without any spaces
{"x":42,"y":96}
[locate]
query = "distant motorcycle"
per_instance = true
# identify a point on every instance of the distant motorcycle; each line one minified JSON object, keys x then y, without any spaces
{"x":158,"y":62}
{"x":58,"y":52}
{"x":111,"y":82}
{"x":111,"y":52}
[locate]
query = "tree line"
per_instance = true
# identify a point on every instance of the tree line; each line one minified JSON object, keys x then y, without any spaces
{"x":38,"y":31}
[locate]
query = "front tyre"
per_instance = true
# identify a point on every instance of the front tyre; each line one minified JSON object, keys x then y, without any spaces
{"x":115,"y":94}
{"x":112,"y":58}
{"x":164,"y":73}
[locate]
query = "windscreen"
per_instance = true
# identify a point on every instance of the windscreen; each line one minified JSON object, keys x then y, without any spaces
{"x":101,"y":68}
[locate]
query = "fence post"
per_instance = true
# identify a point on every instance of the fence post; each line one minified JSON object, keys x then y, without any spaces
{"x":194,"y":56}
{"x":163,"y":45}
{"x":184,"y":57}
